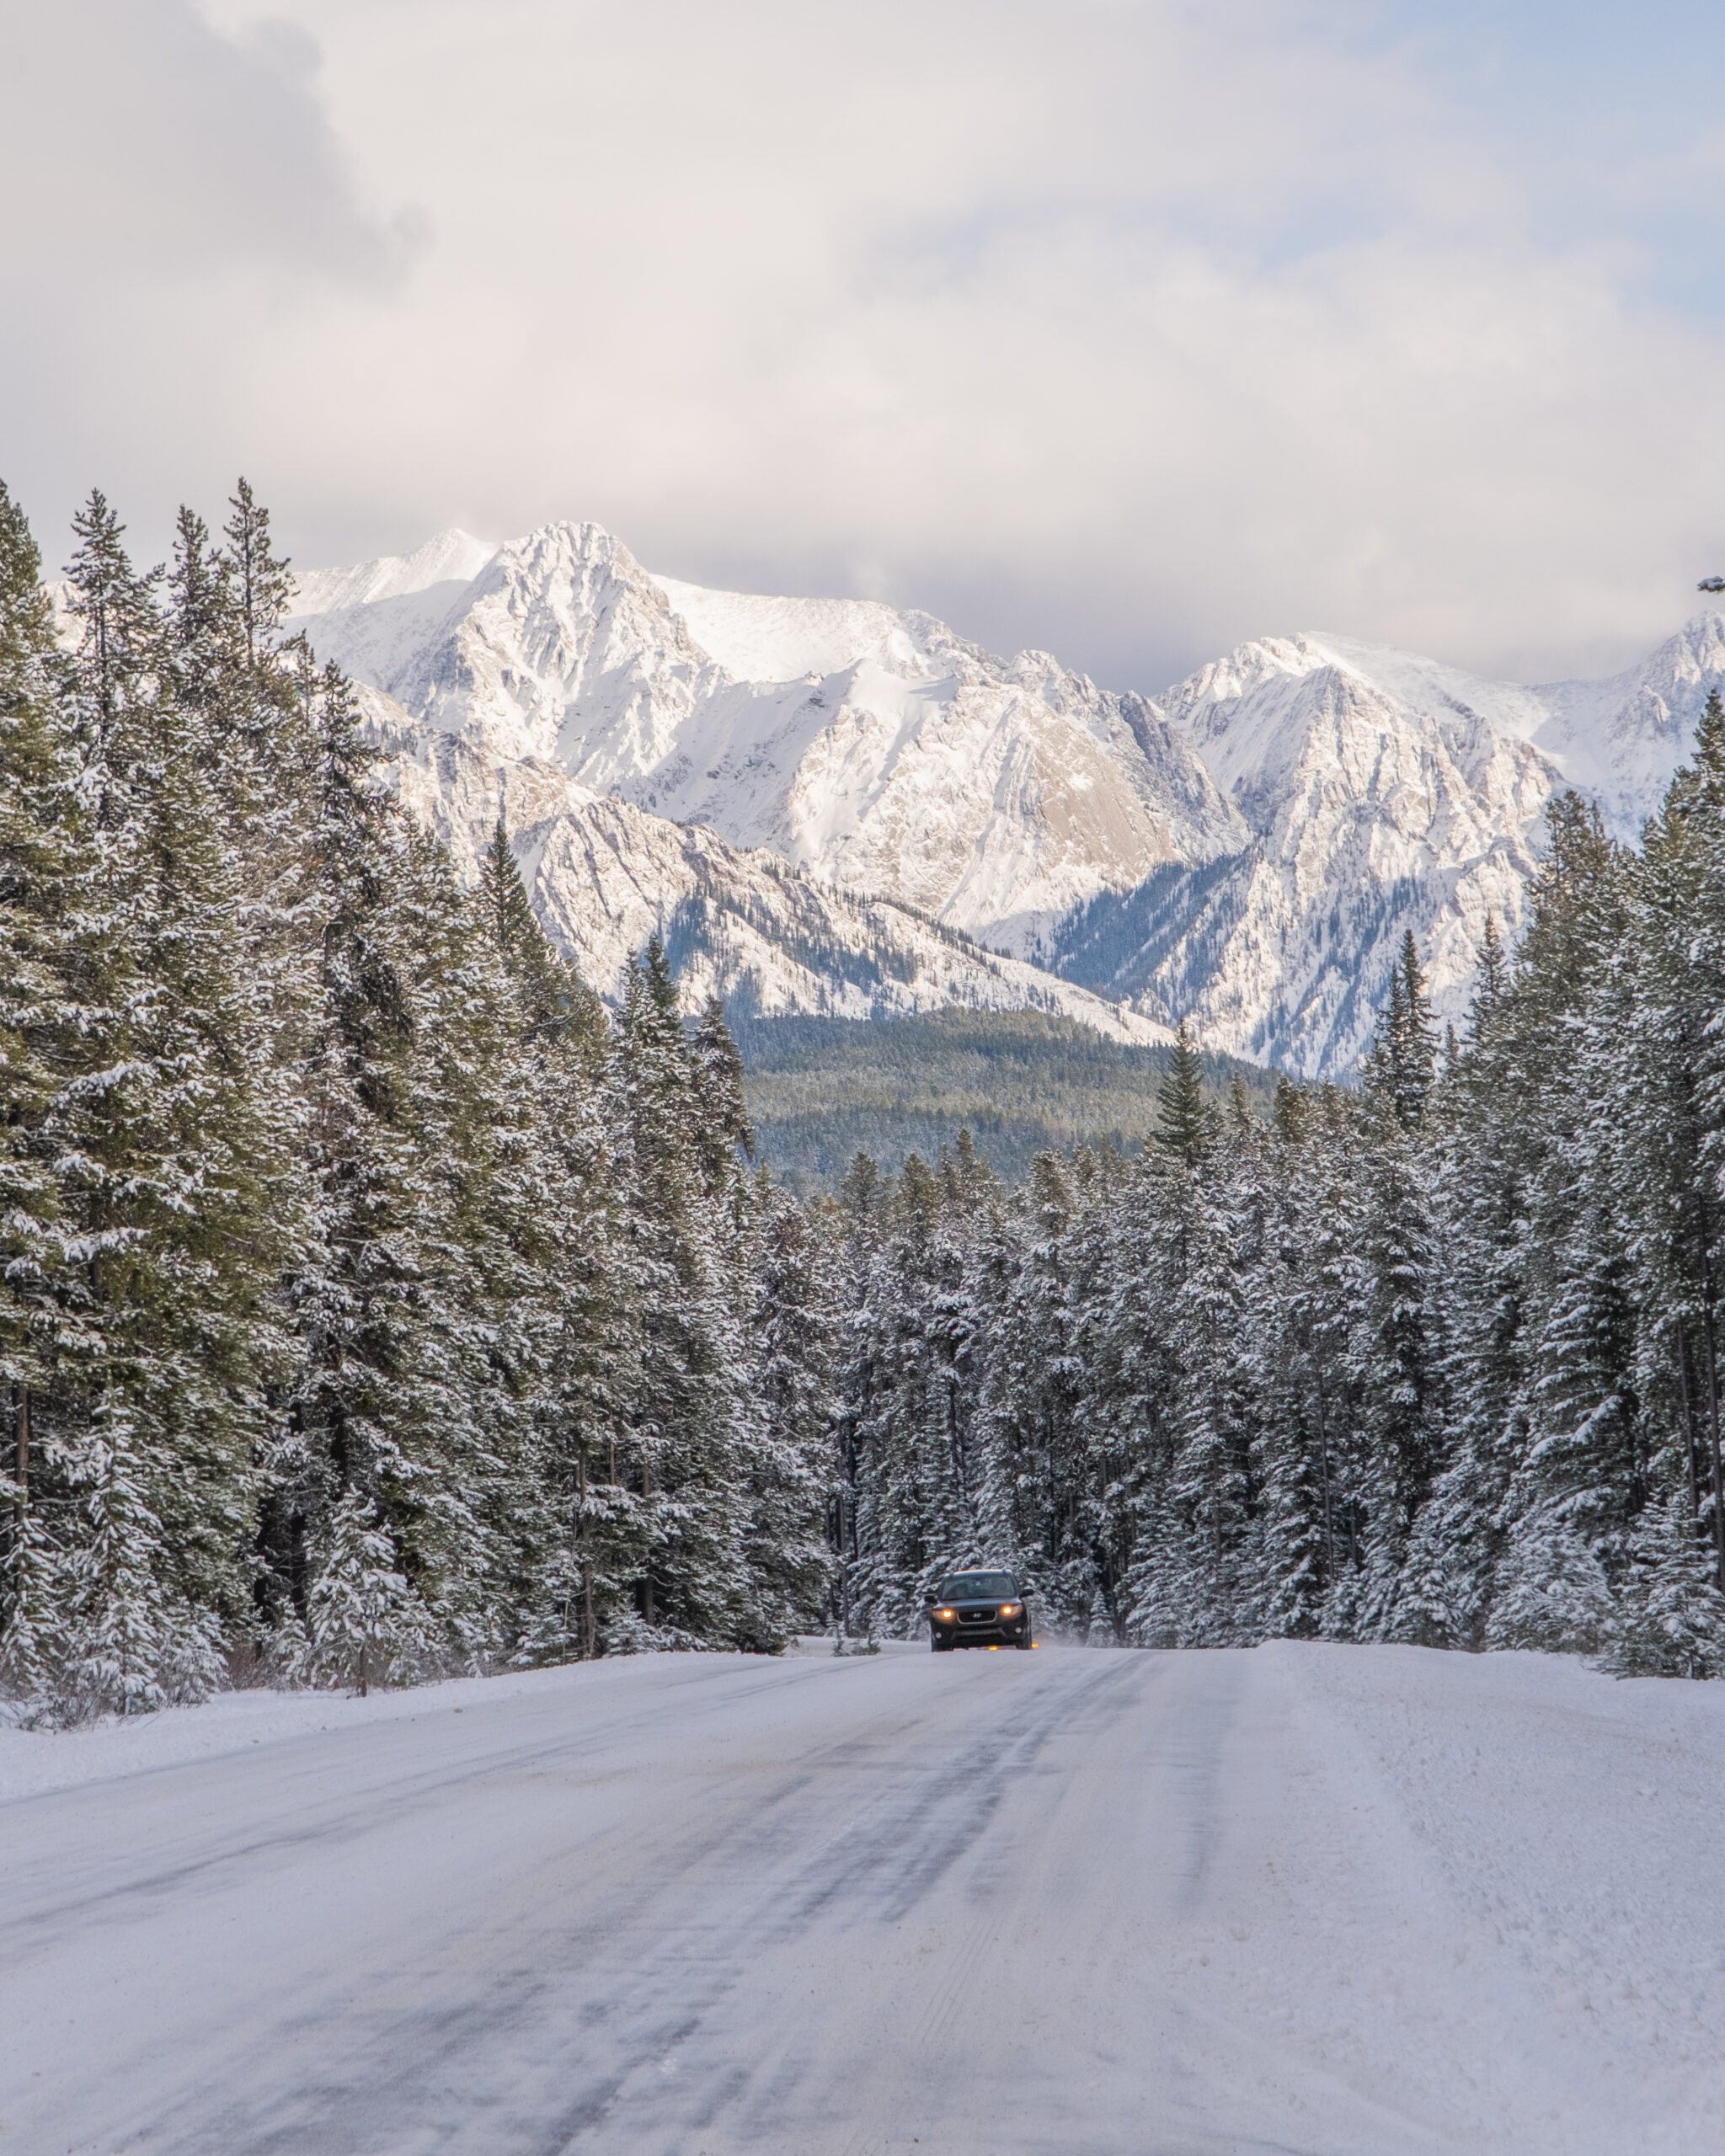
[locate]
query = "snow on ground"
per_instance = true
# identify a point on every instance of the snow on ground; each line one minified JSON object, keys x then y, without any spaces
{"x":34,"y":1761}
{"x":1348,"y":1902}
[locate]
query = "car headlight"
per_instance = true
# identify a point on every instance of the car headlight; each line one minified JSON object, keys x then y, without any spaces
{"x":945,"y":1616}
{"x":1011,"y":1608}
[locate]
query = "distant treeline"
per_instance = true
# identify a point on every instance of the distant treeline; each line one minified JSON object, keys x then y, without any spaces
{"x":819,"y":1091}
{"x":1436,"y":1361}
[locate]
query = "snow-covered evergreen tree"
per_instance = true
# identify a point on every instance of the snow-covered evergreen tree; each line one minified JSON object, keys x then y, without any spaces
{"x":365,"y":1623}
{"x":1671,"y":1615}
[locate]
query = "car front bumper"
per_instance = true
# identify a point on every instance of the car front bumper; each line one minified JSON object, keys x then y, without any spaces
{"x":995,"y":1632}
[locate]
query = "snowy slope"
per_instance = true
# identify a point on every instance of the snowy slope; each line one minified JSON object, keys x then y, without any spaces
{"x":450,"y":560}
{"x":604,"y":876}
{"x":1360,"y":1900}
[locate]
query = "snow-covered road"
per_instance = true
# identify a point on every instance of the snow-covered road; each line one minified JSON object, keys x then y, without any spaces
{"x":1347,"y":1900}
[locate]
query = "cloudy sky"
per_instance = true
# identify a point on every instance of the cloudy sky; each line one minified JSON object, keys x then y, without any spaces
{"x":1124,"y":328}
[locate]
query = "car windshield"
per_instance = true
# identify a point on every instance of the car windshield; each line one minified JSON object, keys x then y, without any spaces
{"x":971,"y":1587}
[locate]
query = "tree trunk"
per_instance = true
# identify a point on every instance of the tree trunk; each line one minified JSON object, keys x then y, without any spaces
{"x":22,"y":1419}
{"x":844,"y":1569}
{"x":1694,"y":1493}
{"x":647,"y":1582}
{"x":1718,"y":1476}
{"x":1323,"y":1470}
{"x":587,"y":1628}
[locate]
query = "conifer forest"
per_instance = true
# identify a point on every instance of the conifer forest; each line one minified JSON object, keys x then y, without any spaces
{"x":378,"y":1302}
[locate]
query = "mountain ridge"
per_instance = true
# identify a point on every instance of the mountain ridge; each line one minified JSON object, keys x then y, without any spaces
{"x":1276,"y":822}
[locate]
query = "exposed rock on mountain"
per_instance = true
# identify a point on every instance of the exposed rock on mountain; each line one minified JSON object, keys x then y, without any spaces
{"x":1370,"y":812}
{"x":604,"y":876}
{"x":1383,"y":791}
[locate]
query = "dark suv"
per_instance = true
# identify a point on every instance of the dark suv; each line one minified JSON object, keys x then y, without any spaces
{"x":978,"y":1610}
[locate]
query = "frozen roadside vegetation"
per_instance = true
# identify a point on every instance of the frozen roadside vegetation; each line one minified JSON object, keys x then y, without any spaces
{"x":1359,"y":1901}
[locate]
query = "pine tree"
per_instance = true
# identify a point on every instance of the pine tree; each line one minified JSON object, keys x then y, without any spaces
{"x":1031,"y":1476}
{"x":791,"y":1471}
{"x":1180,"y":1100}
{"x":914,"y":1497}
{"x":566,"y":1344}
{"x":1206,"y":1593}
{"x":1403,"y":1063}
{"x":1483,"y":1170}
{"x":42,"y":834}
{"x":1398,"y":1353}
{"x":1551,"y":1591}
{"x":692,"y":1428}
{"x":263,"y":589}
{"x":127,"y":1644}
{"x":556,"y":1001}
{"x":1671,"y":1111}
{"x":1671,"y":1617}
{"x":366,"y":1624}
{"x":1303,"y":1300}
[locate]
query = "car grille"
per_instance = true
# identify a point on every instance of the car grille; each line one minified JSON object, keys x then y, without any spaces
{"x":977,"y":1616}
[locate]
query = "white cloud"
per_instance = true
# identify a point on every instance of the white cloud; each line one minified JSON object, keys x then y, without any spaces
{"x":1125,"y":328}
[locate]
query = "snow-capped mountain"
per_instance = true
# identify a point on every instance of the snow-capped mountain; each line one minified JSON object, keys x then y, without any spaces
{"x":1247,"y":849}
{"x":1377,"y":802}
{"x":1618,"y":739}
{"x":1622,"y":739}
{"x":872,"y":747}
{"x":1383,"y":791}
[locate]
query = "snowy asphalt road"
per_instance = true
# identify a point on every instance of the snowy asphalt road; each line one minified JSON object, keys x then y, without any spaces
{"x":975,"y":1904}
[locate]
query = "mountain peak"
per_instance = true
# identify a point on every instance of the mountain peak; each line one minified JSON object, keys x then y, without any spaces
{"x":452,"y":556}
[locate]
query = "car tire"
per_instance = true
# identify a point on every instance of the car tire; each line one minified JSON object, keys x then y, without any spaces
{"x":1023,"y":1642}
{"x":937,"y":1646}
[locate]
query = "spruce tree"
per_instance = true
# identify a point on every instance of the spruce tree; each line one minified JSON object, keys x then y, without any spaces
{"x":45,"y":947}
{"x":691,"y":1429}
{"x":1180,"y":1100}
{"x":1671,"y":1615}
{"x":791,"y":1466}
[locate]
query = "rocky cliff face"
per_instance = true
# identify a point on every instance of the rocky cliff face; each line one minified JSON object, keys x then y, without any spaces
{"x":1372,"y":809}
{"x":1247,"y":849}
{"x":744,"y":925}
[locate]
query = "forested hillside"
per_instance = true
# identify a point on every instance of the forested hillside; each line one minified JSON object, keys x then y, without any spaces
{"x":819,"y":1091}
{"x":377,"y":1302}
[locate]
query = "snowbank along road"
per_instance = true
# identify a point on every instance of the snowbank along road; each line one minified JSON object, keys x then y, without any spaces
{"x":1355,"y":1901}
